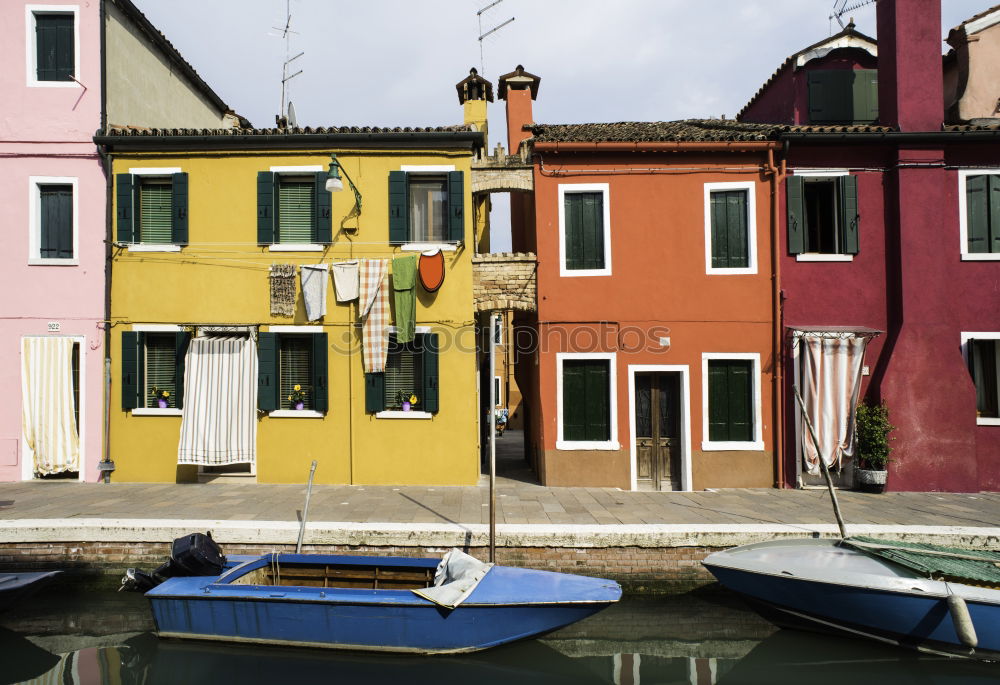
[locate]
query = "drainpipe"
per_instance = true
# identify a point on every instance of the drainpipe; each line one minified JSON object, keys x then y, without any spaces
{"x":107,"y":466}
{"x":777,"y":176}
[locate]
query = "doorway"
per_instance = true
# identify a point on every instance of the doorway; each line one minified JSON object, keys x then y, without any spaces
{"x":657,"y":446}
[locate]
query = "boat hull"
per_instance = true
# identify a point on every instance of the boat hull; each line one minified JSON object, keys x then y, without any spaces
{"x":16,"y":586}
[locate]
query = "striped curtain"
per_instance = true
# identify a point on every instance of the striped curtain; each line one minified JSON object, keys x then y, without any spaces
{"x":219,"y":425}
{"x":47,"y":406}
{"x":831,"y":383}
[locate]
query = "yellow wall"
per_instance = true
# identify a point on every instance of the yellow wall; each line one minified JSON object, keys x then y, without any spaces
{"x":221,"y":277}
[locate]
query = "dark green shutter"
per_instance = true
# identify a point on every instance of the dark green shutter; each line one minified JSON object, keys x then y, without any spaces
{"x":399,"y":222}
{"x":865,"y":96}
{"x":598,"y":398}
{"x":323,"y":227}
{"x":584,"y":226}
{"x":131,"y":381}
{"x":55,"y":50}
{"x":123,"y":183}
{"x":265,"y":207}
{"x":729,"y":229}
{"x":181,"y":341}
{"x":831,"y":96}
{"x":849,"y":213}
{"x":320,"y":386}
{"x":718,"y":404}
{"x":994,"y":210}
{"x":977,"y":213}
{"x":730,"y":409}
{"x":374,"y":392}
{"x":796,"y":215}
{"x":429,"y":346}
{"x":56,"y":222}
{"x":456,"y":206}
{"x":179,"y":204}
{"x":267,"y":371}
{"x":574,"y":402}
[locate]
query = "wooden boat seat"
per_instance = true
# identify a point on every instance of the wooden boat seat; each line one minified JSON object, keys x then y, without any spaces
{"x":336,"y":576}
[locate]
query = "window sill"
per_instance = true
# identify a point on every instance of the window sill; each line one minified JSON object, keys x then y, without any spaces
{"x":426,"y":247}
{"x":980,"y":256}
{"x":49,"y":261}
{"x":756,"y":446}
{"x":742,"y":271}
{"x":156,"y":411}
{"x":563,"y":271}
{"x":150,"y":247}
{"x":400,"y":414}
{"x":34,"y":83}
{"x":570,"y":445}
{"x":987,"y":421}
{"x":296,"y":414}
{"x":296,"y":247}
{"x":817,"y":257}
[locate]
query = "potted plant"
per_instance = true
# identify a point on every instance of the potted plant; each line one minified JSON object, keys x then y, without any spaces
{"x":298,"y":397}
{"x":162,"y":397}
{"x":406,"y":399}
{"x":872,"y":429}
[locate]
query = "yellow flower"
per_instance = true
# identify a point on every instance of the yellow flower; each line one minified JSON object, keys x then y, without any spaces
{"x":297,"y":387}
{"x":289,"y":398}
{"x":413,"y":399}
{"x":166,"y":394}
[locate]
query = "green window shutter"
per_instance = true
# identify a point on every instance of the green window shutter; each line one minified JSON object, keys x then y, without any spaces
{"x":848,"y":186}
{"x":296,"y":209}
{"x":265,"y":207}
{"x":374,"y":392}
{"x":865,"y":96}
{"x":131,"y":380}
{"x":323,"y":231}
{"x":718,"y":405}
{"x":123,"y":183}
{"x":179,"y":203}
{"x":399,"y":220}
{"x":181,"y":341}
{"x":56,"y":239}
{"x":54,"y":41}
{"x":267,"y":371}
{"x":796,"y":215}
{"x":295,"y":366}
{"x":155,"y":211}
{"x":720,"y":243}
{"x":729,"y":229}
{"x":598,"y":399}
{"x":574,"y":401}
{"x":160,"y":368}
{"x":584,"y":225}
{"x":994,"y":209}
{"x":456,"y":206}
{"x":430,"y":347}
{"x":319,"y":380}
{"x":730,"y":409}
{"x":977,"y":213}
{"x":831,"y":96}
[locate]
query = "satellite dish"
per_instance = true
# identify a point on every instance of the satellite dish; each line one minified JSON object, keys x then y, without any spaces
{"x":291,"y":116}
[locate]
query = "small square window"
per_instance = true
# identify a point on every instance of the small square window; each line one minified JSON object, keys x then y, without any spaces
{"x":586,"y":400}
{"x":823,"y":216}
{"x":55,"y":46}
{"x":428,"y":208}
{"x":584,"y":229}
{"x":295,"y":368}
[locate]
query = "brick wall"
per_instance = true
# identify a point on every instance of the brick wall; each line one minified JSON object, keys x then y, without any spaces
{"x":505,"y":281}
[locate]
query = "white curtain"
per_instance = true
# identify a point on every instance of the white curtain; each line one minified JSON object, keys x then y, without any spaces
{"x":220,"y":403}
{"x":47,"y":405}
{"x":830,"y":384}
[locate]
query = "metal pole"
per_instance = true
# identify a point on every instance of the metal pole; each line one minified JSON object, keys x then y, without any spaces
{"x":305,"y":509}
{"x":493,"y":438}
{"x":822,"y":463}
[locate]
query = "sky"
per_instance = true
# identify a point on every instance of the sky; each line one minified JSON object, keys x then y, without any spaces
{"x":396,"y":62}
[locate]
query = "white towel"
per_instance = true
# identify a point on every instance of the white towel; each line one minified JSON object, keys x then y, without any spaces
{"x":345,"y":280}
{"x":314,"y":278}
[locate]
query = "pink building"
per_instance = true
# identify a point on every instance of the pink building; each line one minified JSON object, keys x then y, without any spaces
{"x":53,"y":190}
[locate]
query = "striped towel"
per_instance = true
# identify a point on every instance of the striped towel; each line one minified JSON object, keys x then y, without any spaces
{"x":374,"y":310}
{"x":47,"y":407}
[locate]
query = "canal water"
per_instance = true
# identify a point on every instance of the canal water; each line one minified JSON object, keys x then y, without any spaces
{"x":699,"y":638}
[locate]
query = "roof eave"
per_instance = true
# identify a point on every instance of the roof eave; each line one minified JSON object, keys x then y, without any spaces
{"x":455,"y":139}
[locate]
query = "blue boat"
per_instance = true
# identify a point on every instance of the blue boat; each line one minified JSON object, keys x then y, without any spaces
{"x":387,"y":604}
{"x":852,"y":587}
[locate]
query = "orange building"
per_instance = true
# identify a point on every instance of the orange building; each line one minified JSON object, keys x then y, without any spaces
{"x":655,"y":335}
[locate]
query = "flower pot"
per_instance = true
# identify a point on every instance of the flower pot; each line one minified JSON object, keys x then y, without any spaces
{"x":300,"y":405}
{"x":162,"y":403}
{"x":869,"y":481}
{"x":406,"y":406}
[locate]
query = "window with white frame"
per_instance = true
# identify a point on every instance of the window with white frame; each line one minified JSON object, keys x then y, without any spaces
{"x":293,"y":208}
{"x":152,"y":368}
{"x":426,"y":205}
{"x":731,"y":405}
{"x":587,"y":401}
{"x":52,"y":43}
{"x":584,"y":229}
{"x":730,"y":228}
{"x":152,"y":209}
{"x":53,"y":220}
{"x":981,"y":353}
{"x":823,"y":218}
{"x":979,"y":214}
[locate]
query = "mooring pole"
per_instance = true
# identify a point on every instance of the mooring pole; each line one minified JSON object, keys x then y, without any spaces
{"x":822,"y":463}
{"x":305,"y":509}
{"x":493,"y":439}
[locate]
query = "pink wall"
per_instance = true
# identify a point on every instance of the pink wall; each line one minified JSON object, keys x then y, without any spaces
{"x":46,"y":131}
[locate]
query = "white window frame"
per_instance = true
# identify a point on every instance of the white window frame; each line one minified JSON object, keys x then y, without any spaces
{"x":755,"y":445}
{"x":35,"y":220}
{"x":610,"y":444}
{"x":295,"y":413}
{"x":151,"y":247}
{"x":751,"y":212}
{"x":966,"y":337}
{"x":31,"y":45}
{"x":963,"y":217}
{"x":155,"y":328}
{"x":426,"y":246}
{"x":604,"y":189}
{"x":399,"y":413}
{"x":295,"y":247}
{"x":822,"y":256}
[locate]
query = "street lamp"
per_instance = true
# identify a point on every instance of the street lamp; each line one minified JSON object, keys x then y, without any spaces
{"x":334,"y":184}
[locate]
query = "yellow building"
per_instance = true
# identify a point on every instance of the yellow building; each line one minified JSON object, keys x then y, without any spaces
{"x":215,"y":232}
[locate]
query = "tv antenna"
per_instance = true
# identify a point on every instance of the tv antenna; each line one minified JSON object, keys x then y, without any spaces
{"x":286,"y":112}
{"x":479,"y":16}
{"x":842,"y":7}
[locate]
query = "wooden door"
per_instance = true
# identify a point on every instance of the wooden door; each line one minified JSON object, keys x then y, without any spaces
{"x":658,"y":430}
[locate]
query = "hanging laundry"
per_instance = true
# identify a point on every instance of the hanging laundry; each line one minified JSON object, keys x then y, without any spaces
{"x":314,"y":278}
{"x":345,"y":280}
{"x":373,"y":307}
{"x":404,"y":281}
{"x":282,"y":290}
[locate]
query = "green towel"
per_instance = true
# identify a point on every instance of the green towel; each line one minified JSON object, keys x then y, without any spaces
{"x":404,"y":281}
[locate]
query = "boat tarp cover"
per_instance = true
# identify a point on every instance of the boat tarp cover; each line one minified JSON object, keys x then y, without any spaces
{"x":456,"y":577}
{"x":935,"y":561}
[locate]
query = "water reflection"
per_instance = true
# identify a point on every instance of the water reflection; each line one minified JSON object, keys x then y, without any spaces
{"x":700,"y":638}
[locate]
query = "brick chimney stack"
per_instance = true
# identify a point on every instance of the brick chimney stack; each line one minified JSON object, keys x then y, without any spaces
{"x":910,"y":88}
{"x":518,"y":89}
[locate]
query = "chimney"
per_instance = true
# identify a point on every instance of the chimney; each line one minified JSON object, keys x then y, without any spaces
{"x":910,"y":88}
{"x":518,"y":89}
{"x":473,"y":93}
